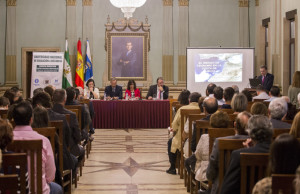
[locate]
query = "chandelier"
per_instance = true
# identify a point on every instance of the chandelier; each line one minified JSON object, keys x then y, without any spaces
{"x":127,"y":6}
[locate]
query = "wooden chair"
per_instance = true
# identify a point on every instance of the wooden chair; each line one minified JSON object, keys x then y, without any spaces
{"x":10,"y":162}
{"x":283,"y":183}
{"x":266,"y":103}
{"x":78,"y":114}
{"x":9,"y":184}
{"x":178,"y":106}
{"x":48,"y":132}
{"x":277,"y":132}
{"x":232,"y":117}
{"x":173,"y":102}
{"x":226,"y":146}
{"x":33,"y":149}
{"x":66,"y":175}
{"x":249,"y":106}
{"x":3,"y":114}
{"x":218,"y":132}
{"x":228,"y":111}
{"x":288,"y":121}
{"x":259,"y":100}
{"x":253,"y":168}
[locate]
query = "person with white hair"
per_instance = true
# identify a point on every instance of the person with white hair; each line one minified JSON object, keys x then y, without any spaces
{"x":277,"y":110}
{"x":236,"y":89}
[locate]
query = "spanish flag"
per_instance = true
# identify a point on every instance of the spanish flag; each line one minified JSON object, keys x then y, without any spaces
{"x":79,"y":74}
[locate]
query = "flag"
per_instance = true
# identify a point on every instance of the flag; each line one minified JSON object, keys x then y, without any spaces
{"x":79,"y":68}
{"x":67,"y":76}
{"x":88,"y":63}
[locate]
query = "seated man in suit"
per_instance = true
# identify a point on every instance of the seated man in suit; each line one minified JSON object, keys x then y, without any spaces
{"x":277,"y":110}
{"x":266,"y":78}
{"x":113,"y":91}
{"x":212,"y":172}
{"x":158,"y":91}
{"x":261,"y":132}
{"x":22,"y":114}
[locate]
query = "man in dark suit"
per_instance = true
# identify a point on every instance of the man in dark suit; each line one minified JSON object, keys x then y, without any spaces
{"x":113,"y":91}
{"x":159,"y":90}
{"x":261,"y":132}
{"x":266,"y":78}
{"x":212,"y":172}
{"x":59,"y":100}
{"x":127,"y":62}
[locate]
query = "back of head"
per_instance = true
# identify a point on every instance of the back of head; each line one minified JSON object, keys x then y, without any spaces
{"x":210,"y":105}
{"x":6,"y":133}
{"x":200,"y":103}
{"x":9,"y":95}
{"x":37,"y":90}
{"x":241,"y":122}
{"x":59,"y":96}
{"x":260,"y":129}
{"x":194,"y":97}
{"x":4,"y":101}
{"x":236,"y":89}
{"x":275,"y":91}
{"x":22,"y":113}
{"x":219,"y":119}
{"x":259,"y":108}
{"x":43,"y":99}
{"x":295,"y":128}
{"x":260,"y":88}
{"x":278,"y":108}
{"x":296,"y":79}
{"x":70,"y":94}
{"x":50,"y":90}
{"x":183,"y":97}
{"x":210,"y":88}
{"x":285,"y":155}
{"x":40,"y":117}
{"x":239,"y":102}
{"x":218,"y":92}
{"x":228,"y":93}
{"x":248,"y":95}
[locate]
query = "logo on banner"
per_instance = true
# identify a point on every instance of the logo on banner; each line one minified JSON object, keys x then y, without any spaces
{"x":36,"y":81}
{"x":46,"y":81}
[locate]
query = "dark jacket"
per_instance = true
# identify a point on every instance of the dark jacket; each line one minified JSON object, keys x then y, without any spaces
{"x":153,"y":90}
{"x":268,"y":81}
{"x":116,"y":93}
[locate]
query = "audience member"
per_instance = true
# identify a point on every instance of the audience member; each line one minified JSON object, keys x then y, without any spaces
{"x":239,"y":103}
{"x":37,"y":90}
{"x":210,"y":90}
{"x":218,"y":94}
{"x":80,"y":94}
{"x":236,"y":89}
{"x":183,"y":97}
{"x":261,"y":132}
{"x":40,"y":117}
{"x":277,"y":110}
{"x":284,"y":159}
{"x":50,"y":90}
{"x":16,"y":91}
{"x":274,"y":93}
{"x":155,"y":91}
{"x":228,"y":95}
{"x":248,"y":95}
{"x":259,"y":108}
{"x":200,"y":103}
{"x":212,"y":172}
{"x":6,"y":135}
{"x":261,"y":93}
{"x":294,"y":89}
{"x":22,"y":115}
{"x":113,"y":91}
{"x":174,"y":144}
{"x":4,"y":103}
{"x":91,"y":92}
{"x":295,"y":128}
{"x":132,"y":92}
{"x":10,"y":96}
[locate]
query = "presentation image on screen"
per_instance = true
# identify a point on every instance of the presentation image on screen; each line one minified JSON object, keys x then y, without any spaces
{"x":223,"y":67}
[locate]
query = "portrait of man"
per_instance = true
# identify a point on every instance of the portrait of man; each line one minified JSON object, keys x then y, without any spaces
{"x":127,"y":57}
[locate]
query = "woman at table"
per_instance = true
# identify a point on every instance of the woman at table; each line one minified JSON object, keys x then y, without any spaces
{"x":132,"y":90}
{"x":91,"y":92}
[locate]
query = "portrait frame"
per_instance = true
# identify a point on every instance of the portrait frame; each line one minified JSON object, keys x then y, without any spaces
{"x":118,"y":34}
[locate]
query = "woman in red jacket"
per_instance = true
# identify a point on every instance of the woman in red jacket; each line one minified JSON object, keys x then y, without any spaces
{"x":132,"y":91}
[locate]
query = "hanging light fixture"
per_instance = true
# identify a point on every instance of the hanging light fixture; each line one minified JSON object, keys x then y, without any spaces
{"x":127,"y":6}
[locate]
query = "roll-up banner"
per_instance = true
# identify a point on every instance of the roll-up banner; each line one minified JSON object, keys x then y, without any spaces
{"x":47,"y":69}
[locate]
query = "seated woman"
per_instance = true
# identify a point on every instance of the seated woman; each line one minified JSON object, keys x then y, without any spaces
{"x":132,"y":91}
{"x":183,"y":97}
{"x":239,"y":103}
{"x":295,"y":128}
{"x":91,"y":92}
{"x":284,"y":159}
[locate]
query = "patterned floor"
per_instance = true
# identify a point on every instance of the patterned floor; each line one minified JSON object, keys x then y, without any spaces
{"x":130,"y":161}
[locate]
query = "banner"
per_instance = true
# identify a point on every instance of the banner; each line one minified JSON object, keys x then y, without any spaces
{"x":47,"y":69}
{"x":88,"y":63}
{"x":79,"y":73}
{"x":67,"y":78}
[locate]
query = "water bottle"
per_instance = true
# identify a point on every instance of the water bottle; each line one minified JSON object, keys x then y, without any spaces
{"x":161,"y":95}
{"x":104,"y":96}
{"x":132,"y":95}
{"x":126,"y":96}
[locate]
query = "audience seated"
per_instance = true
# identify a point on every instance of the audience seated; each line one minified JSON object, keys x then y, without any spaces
{"x":239,"y":103}
{"x":273,"y":93}
{"x":22,"y":115}
{"x":50,"y":90}
{"x":155,"y":91}
{"x":10,"y":96}
{"x":294,"y":89}
{"x":183,"y":97}
{"x":261,"y":132}
{"x":295,"y":128}
{"x":228,"y":95}
{"x":175,"y":142}
{"x":40,"y":117}
{"x":259,"y":108}
{"x":4,"y":103}
{"x":210,"y":90}
{"x":284,"y":159}
{"x":277,"y":110}
{"x":37,"y":90}
{"x":261,"y":93}
{"x":212,"y":173}
{"x":248,"y":95}
{"x":16,"y":91}
{"x":236,"y":89}
{"x":218,"y":94}
{"x":6,"y":135}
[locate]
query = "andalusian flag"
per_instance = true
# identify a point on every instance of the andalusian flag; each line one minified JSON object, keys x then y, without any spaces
{"x":79,"y":68}
{"x":88,"y":63}
{"x":67,"y":77}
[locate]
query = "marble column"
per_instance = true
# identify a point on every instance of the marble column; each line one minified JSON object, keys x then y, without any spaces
{"x":11,"y":45}
{"x":183,"y":40}
{"x":87,"y":25}
{"x":167,"y":43}
{"x":243,"y":23}
{"x":71,"y":34}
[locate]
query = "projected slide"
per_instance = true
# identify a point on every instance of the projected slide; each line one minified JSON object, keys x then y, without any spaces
{"x":222,"y":67}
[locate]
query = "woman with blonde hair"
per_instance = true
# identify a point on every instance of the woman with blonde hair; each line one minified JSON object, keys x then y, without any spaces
{"x":294,"y":89}
{"x":295,"y":128}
